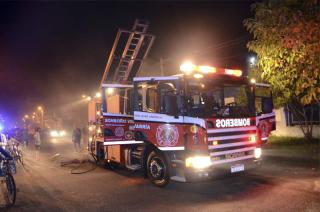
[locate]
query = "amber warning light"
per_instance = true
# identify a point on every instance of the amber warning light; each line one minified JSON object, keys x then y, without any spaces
{"x":188,"y":68}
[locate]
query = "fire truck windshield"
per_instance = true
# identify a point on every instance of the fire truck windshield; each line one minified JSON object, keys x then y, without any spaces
{"x":218,"y":100}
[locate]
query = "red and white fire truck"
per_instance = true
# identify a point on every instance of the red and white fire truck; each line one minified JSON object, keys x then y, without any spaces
{"x":187,"y":126}
{"x":194,"y":125}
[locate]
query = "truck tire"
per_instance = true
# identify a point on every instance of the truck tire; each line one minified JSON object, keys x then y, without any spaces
{"x":158,"y":169}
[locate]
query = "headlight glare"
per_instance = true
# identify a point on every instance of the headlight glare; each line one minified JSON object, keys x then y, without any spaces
{"x":62,"y":133}
{"x":198,"y":162}
{"x":54,"y":133}
{"x":257,"y":152}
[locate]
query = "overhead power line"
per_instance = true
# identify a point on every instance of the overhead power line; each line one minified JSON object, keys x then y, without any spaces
{"x":222,"y":45}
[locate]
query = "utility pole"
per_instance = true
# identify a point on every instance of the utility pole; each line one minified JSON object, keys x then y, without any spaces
{"x":41,"y":110}
{"x":161,"y":66}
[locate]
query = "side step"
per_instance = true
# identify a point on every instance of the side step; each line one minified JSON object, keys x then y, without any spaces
{"x":133,"y":167}
{"x":136,"y":154}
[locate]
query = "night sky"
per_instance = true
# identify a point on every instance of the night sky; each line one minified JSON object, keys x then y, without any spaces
{"x":52,"y":52}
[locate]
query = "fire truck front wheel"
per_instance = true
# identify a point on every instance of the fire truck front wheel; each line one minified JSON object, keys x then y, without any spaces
{"x":157,"y":169}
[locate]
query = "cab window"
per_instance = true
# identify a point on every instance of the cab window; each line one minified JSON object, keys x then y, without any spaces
{"x":261,"y":94}
{"x":117,"y":100}
{"x":152,"y":100}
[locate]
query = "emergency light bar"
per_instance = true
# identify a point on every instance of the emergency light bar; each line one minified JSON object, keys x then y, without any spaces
{"x":188,"y":68}
{"x":236,"y":73}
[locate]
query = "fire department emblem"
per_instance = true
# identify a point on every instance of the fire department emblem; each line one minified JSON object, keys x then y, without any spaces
{"x":119,"y":131}
{"x":128,"y":135}
{"x":167,"y":135}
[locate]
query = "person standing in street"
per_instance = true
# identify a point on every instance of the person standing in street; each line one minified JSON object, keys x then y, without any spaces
{"x":25,"y":137}
{"x":76,"y":138}
{"x":37,"y":139}
{"x":85,"y":136}
{"x":37,"y":142}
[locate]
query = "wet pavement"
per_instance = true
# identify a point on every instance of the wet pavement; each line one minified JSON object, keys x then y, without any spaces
{"x":287,"y":181}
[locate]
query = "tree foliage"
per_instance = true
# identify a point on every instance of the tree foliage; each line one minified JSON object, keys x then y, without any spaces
{"x":287,"y":42}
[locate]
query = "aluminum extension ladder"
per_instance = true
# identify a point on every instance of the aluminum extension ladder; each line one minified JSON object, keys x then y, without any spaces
{"x":129,"y":50}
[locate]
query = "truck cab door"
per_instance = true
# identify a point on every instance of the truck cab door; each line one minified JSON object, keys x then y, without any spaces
{"x":265,"y":119}
{"x":156,"y":114}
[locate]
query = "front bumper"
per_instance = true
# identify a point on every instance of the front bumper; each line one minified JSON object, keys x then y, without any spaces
{"x":184,"y":174}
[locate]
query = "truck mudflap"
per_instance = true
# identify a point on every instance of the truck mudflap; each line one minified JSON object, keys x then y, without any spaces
{"x":182,"y":174}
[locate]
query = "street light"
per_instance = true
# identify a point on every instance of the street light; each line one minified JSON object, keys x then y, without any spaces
{"x":98,"y":95}
{"x":42,"y":113}
{"x":86,"y":98}
{"x":252,"y":61}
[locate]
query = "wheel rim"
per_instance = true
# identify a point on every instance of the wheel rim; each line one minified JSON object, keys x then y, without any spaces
{"x":157,"y":168}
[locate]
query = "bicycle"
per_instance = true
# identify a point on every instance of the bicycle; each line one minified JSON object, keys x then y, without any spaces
{"x":15,"y":151}
{"x":7,"y":168}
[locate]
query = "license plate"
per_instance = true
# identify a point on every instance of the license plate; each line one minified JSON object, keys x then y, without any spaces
{"x":237,"y":168}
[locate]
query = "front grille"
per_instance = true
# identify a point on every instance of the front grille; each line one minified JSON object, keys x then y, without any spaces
{"x":231,"y":144}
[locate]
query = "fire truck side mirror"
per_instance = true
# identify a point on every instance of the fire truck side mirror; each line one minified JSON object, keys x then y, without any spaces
{"x":170,"y":104}
{"x":267,"y":105}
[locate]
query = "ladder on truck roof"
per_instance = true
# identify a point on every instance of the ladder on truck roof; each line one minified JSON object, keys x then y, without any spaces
{"x":129,"y":50}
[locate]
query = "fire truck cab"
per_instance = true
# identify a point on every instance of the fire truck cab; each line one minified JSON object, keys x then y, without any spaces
{"x":186,"y":127}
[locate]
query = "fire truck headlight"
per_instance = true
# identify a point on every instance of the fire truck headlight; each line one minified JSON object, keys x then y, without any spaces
{"x":54,"y":133}
{"x":257,"y":152}
{"x":198,"y":162}
{"x":62,"y":133}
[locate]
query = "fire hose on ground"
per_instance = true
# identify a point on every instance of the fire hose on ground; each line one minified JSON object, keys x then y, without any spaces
{"x":78,"y":163}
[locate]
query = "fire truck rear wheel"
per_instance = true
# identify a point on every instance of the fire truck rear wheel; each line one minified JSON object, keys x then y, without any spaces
{"x":157,"y":169}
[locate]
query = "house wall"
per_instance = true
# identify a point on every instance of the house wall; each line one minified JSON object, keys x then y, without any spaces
{"x":292,"y":131}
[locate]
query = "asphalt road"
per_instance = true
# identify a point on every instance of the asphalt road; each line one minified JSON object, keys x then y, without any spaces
{"x":287,"y":181}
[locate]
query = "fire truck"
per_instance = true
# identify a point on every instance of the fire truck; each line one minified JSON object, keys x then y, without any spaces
{"x":202,"y":122}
